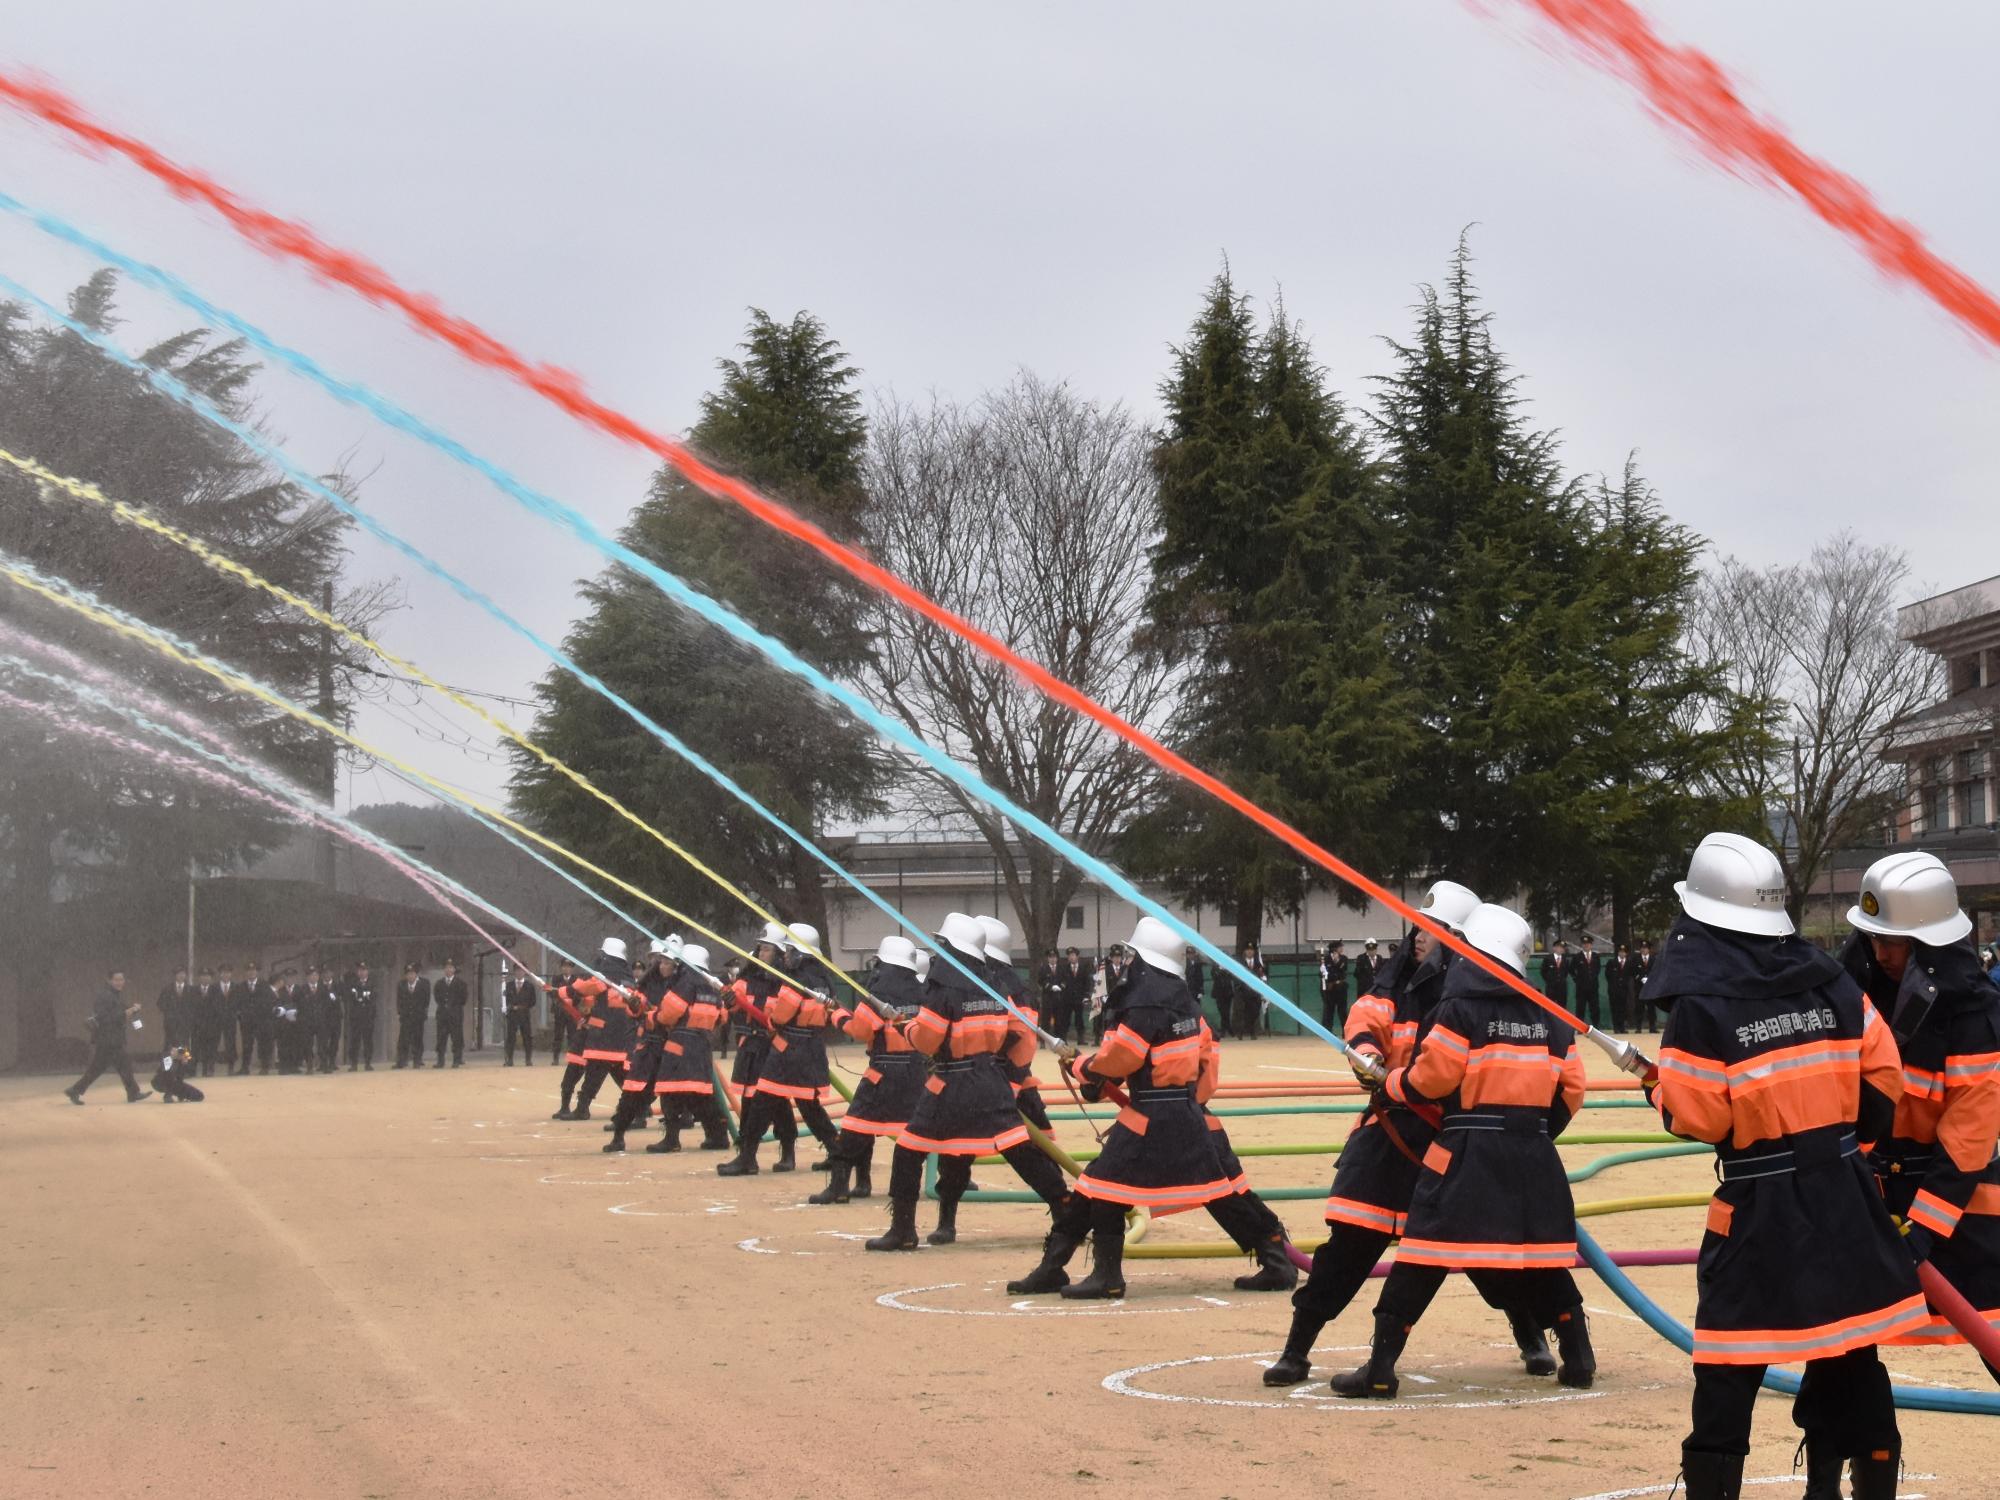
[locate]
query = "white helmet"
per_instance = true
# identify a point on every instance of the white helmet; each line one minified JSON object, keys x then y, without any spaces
{"x":923,"y":964}
{"x":613,"y":948}
{"x":997,"y":937}
{"x":898,"y":950}
{"x":1501,"y":934}
{"x":1910,"y":895}
{"x":963,"y":933}
{"x":776,"y":936}
{"x":1450,"y":903}
{"x":1737,"y":884}
{"x":671,"y":948}
{"x":804,"y":936}
{"x":695,"y":957}
{"x":1159,"y":945}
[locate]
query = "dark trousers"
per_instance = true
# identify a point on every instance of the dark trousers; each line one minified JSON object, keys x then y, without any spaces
{"x":572,"y":1076}
{"x":631,"y":1110}
{"x":954,"y":1175}
{"x":1333,"y":1009}
{"x":451,"y":1028}
{"x":1340,"y":1269}
{"x":1844,"y":1401}
{"x":1247,"y":1007}
{"x":1542,"y":1294}
{"x":855,"y":1147}
{"x":1056,"y":1015}
{"x":409,"y":1041}
{"x":815,"y":1118}
{"x":207,"y":1042}
{"x":594,"y":1073}
{"x":253,"y":1035}
{"x":705,"y":1110}
{"x":360,"y":1036}
{"x":107,"y":1055}
{"x":762,"y":1112}
{"x":520,"y":1023}
{"x":1246,"y":1219}
{"x":329,"y":1041}
{"x":1588,"y":1006}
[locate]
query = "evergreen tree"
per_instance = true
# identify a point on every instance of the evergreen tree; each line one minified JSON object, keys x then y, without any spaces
{"x":76,"y":821}
{"x":1661,"y":728}
{"x":786,"y":418}
{"x":1266,"y":595}
{"x":1492,"y":625}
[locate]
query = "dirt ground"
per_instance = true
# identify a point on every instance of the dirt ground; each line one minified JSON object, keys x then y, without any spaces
{"x":388,"y":1285}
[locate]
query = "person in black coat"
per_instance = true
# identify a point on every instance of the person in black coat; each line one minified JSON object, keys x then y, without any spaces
{"x":110,"y":1014}
{"x":1584,"y":970}
{"x":357,"y":1017}
{"x":413,"y":1003}
{"x":1645,"y":1015}
{"x":173,"y":1079}
{"x":256,"y":1019}
{"x":450,"y":994}
{"x":222,"y":1000}
{"x":1365,"y":968}
{"x":1077,"y":981}
{"x":1556,"y":973}
{"x":1333,"y":966}
{"x":1052,"y":992}
{"x":177,"y":1004}
{"x":1250,"y":1004}
{"x":205,"y":1032}
{"x":517,"y":1002}
{"x":1621,"y":981}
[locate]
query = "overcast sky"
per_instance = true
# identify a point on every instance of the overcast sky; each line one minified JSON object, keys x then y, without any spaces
{"x":959,"y":192}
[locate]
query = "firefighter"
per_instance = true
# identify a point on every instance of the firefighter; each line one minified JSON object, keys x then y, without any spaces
{"x":1382,"y":1160}
{"x":689,"y":1012}
{"x":1492,"y":1200}
{"x":895,"y":1078}
{"x":648,"y":1047}
{"x":795,"y":1073}
{"x":967,"y":1108}
{"x":1912,"y":954}
{"x":748,"y":998}
{"x":601,"y":1021}
{"x":1004,"y":977}
{"x":1774,"y":1055}
{"x":1160,"y":1154}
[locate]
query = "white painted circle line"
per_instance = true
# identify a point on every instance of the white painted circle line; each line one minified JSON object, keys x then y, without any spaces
{"x":1120,"y":1383}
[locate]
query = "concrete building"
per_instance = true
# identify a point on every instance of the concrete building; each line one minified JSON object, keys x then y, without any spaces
{"x":924,"y":879}
{"x":1948,"y":751}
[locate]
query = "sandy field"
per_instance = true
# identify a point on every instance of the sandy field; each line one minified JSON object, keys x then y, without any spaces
{"x":417,"y":1285}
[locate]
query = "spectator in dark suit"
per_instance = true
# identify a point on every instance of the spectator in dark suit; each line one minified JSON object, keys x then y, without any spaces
{"x":1333,"y":966}
{"x":1052,"y":992}
{"x":1645,"y":1015}
{"x":1077,"y":980}
{"x":1250,"y":1004}
{"x":177,"y":1011}
{"x":1621,"y":980}
{"x":1584,"y":971}
{"x":1197,"y":977}
{"x":1555,"y":973}
{"x":1364,"y":969}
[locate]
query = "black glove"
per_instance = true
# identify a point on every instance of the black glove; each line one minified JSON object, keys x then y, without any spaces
{"x":1920,"y":1240}
{"x":1092,"y":1091}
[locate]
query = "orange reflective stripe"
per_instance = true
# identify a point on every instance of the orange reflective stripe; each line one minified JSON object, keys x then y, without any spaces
{"x":1770,"y":1346}
{"x":964,"y":1145}
{"x":1365,"y":1215}
{"x":1451,"y":1253}
{"x":1934,"y":1213}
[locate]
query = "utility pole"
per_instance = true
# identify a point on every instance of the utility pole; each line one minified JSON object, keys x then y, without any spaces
{"x":190,"y":947}
{"x":325,"y":870}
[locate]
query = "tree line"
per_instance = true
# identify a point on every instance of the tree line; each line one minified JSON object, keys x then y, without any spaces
{"x":1397,"y":621}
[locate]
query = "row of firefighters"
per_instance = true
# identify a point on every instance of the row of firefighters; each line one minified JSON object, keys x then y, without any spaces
{"x":1853,"y":1102}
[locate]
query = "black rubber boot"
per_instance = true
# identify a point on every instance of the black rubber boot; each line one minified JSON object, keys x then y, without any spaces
{"x":1711,"y":1476}
{"x":1824,"y":1467}
{"x":715,"y":1137}
{"x":902,"y":1232}
{"x":1533,"y":1344}
{"x":946,"y":1232}
{"x":1050,"y":1275}
{"x":1294,"y":1366}
{"x":786,"y":1161}
{"x":670,"y":1140}
{"x":823,"y":1164}
{"x":835,"y":1190}
{"x":1376,"y":1380}
{"x":1275,"y":1271}
{"x":750,"y":1131}
{"x":1874,"y":1474}
{"x":616,"y":1143}
{"x":561,"y":1114}
{"x":1579,"y":1360}
{"x":863,"y":1187}
{"x":1107,"y":1270}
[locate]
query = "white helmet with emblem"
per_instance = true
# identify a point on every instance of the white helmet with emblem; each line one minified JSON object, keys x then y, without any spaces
{"x":1159,"y":945}
{"x":804,"y":936}
{"x":1911,"y":895}
{"x":1737,"y":884}
{"x":1450,"y":903}
{"x":998,"y":938}
{"x":774,"y":936}
{"x":695,"y":957}
{"x":1501,"y":934}
{"x":964,"y":933}
{"x":613,"y":948}
{"x":898,"y":950}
